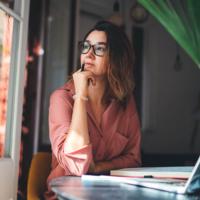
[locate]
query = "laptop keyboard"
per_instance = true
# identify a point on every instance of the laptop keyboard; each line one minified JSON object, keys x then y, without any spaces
{"x":181,"y":183}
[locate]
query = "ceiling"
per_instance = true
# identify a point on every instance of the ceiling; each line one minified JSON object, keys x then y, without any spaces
{"x":103,"y":8}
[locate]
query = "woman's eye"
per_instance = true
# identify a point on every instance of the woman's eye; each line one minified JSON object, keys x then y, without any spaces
{"x":100,"y":48}
{"x":86,"y":46}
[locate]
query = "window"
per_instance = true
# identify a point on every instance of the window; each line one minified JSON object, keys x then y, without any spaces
{"x":6,"y":30}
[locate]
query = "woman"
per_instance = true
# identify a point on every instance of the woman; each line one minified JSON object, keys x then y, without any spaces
{"x":93,"y":121}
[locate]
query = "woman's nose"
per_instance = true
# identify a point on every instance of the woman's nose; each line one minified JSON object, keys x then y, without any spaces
{"x":90,"y":53}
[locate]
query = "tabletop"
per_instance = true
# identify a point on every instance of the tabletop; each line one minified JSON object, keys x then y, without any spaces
{"x":75,"y":188}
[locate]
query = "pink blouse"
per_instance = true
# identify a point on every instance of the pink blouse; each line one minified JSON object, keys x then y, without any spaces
{"x":117,"y":140}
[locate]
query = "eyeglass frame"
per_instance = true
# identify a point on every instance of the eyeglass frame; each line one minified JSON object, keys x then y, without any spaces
{"x":93,"y":47}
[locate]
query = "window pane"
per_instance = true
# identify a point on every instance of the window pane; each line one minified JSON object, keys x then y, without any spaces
{"x":6,"y":30}
{"x":8,"y":3}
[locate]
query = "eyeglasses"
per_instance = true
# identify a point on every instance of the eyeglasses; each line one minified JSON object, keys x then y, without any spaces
{"x":99,"y":48}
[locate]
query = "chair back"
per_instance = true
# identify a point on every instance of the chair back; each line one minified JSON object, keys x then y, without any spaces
{"x":38,"y":173}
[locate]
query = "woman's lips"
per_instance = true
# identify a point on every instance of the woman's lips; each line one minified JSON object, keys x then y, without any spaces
{"x":89,"y":65}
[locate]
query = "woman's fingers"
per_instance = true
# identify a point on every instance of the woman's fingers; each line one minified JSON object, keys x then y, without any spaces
{"x":92,"y":81}
{"x":82,"y":79}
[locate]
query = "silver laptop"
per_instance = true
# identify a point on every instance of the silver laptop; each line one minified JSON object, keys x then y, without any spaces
{"x":191,"y":185}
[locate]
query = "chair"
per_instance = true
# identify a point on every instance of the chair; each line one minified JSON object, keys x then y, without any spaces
{"x":38,"y":173}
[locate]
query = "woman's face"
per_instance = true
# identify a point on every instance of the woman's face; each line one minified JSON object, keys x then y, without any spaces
{"x":96,"y":59}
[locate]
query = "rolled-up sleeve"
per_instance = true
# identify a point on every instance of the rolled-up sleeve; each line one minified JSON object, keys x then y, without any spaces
{"x":60,"y":113}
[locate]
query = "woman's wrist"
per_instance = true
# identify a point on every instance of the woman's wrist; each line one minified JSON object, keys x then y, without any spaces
{"x":80,"y":96}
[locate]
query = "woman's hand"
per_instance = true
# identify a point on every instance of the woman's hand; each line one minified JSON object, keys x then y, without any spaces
{"x":81,"y":82}
{"x":100,"y":167}
{"x":91,"y":169}
{"x":95,"y":168}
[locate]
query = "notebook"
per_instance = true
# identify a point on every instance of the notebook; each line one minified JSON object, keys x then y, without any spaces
{"x":182,"y":186}
{"x":154,"y":172}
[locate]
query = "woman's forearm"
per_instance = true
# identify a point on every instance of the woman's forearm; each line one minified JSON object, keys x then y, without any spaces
{"x":117,"y":163}
{"x":78,"y":136}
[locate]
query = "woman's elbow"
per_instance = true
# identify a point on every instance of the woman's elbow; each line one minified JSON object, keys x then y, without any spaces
{"x":79,"y":170}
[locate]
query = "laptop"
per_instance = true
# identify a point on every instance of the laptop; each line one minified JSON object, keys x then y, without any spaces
{"x":181,"y":186}
{"x":190,"y":185}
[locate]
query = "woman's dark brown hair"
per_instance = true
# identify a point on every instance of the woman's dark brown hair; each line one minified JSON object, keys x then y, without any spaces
{"x":120,"y":56}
